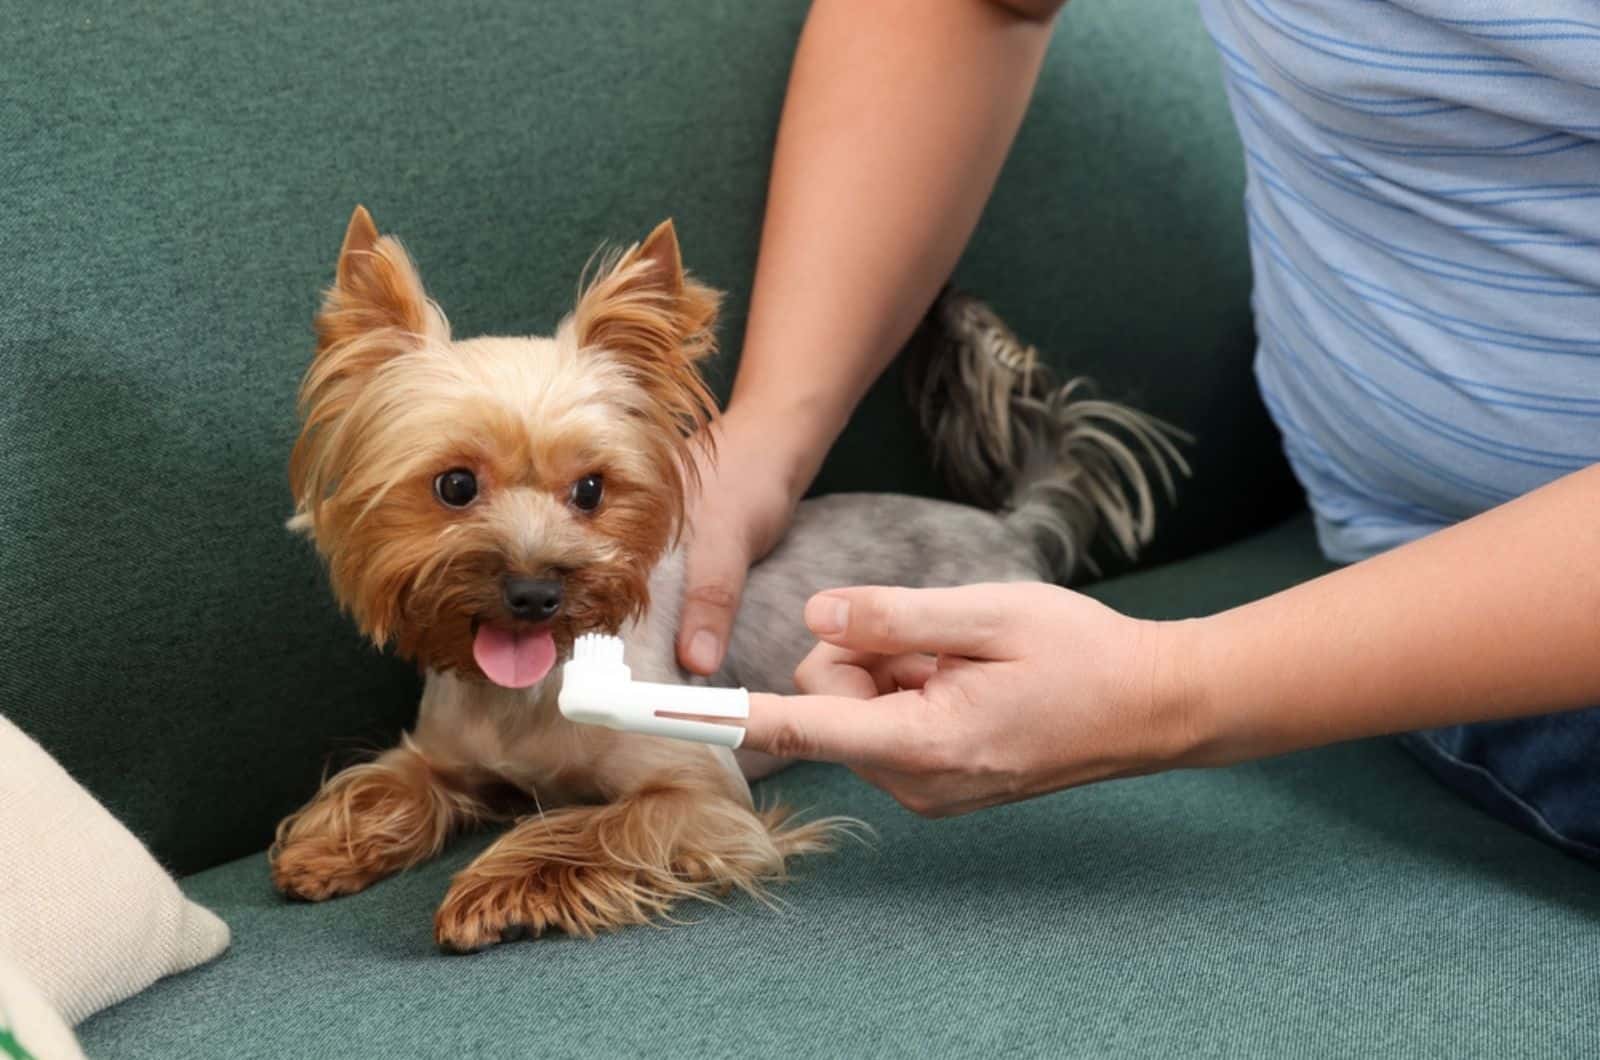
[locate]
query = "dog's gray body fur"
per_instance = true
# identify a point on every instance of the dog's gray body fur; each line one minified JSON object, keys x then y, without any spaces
{"x":1050,"y":466}
{"x":843,"y":539}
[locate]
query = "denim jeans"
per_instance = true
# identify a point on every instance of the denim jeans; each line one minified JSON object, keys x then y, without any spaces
{"x":1539,"y":774}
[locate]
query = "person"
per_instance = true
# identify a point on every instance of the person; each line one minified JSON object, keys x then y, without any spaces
{"x":1425,"y":237}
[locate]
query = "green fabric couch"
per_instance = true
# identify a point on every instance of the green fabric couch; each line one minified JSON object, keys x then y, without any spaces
{"x":174,"y":179}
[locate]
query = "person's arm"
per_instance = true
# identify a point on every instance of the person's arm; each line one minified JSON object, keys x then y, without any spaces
{"x":1037,"y":688}
{"x":1497,"y":617}
{"x":898,"y":117}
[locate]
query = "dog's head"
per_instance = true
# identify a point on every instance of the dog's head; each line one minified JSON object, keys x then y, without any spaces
{"x":481,"y":502}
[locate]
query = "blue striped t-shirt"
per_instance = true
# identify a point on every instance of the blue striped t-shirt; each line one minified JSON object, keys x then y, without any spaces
{"x":1424,"y":205}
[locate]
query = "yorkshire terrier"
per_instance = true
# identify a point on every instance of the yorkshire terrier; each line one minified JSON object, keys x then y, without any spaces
{"x":482,"y":502}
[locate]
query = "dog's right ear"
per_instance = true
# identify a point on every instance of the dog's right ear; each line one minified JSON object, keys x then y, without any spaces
{"x":360,"y":236}
{"x":377,"y":302}
{"x":375,"y":310}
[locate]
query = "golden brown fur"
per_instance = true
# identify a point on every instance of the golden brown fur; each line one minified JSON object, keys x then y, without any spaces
{"x":592,"y":868}
{"x":389,"y":403}
{"x":370,"y":821}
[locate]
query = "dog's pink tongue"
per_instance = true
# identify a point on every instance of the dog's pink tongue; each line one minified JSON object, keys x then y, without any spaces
{"x":513,"y":659}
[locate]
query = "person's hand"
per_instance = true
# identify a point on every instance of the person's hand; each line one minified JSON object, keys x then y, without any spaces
{"x":952,"y":700}
{"x":747,"y":497}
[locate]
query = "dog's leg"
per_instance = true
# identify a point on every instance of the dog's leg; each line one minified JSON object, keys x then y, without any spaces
{"x":587,"y":869}
{"x":368,"y":822}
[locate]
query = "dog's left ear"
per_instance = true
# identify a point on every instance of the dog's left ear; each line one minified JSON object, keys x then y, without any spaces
{"x":375,"y":311}
{"x":657,"y":320}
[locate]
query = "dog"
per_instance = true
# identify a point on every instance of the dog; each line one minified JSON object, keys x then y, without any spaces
{"x":482,"y":502}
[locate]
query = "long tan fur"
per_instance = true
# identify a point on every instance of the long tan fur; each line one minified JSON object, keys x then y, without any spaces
{"x":368,"y":822}
{"x":627,"y":826}
{"x":588,"y":869}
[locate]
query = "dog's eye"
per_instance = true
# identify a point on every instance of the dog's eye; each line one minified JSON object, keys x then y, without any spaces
{"x":586,"y":493}
{"x":456,"y":487}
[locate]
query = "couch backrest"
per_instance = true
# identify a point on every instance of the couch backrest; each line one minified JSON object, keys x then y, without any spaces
{"x":175,"y":178}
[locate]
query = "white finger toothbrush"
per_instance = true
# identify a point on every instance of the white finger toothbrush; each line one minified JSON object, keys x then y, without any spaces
{"x":597,"y":688}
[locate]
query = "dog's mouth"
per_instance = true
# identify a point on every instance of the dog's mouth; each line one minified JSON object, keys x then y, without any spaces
{"x":513,"y":656}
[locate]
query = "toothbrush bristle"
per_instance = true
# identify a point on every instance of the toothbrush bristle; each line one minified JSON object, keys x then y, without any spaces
{"x":597,"y":647}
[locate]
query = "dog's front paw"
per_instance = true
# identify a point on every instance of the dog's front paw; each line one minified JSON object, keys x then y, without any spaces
{"x":368,"y":822}
{"x":483,"y":909}
{"x":318,"y":868}
{"x":475,"y":916}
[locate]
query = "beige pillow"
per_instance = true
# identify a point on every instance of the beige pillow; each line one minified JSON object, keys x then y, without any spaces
{"x":29,"y":1027}
{"x":85,"y":912}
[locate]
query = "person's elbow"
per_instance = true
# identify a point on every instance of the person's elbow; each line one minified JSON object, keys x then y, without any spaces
{"x":1032,"y":10}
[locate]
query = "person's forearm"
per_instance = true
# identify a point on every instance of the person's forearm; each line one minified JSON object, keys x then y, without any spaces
{"x":1497,"y":617}
{"x":898,"y":117}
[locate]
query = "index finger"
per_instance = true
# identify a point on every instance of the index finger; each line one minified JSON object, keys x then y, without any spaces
{"x":874,"y":732}
{"x":889,"y":620}
{"x":833,"y":671}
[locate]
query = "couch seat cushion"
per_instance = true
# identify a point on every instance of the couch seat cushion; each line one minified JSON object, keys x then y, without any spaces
{"x":1333,"y":903}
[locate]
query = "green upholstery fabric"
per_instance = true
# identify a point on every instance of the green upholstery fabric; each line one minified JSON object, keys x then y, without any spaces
{"x":174,"y":179}
{"x":1330,"y":904}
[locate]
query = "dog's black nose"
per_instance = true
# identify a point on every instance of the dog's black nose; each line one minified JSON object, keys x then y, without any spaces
{"x":533,"y":599}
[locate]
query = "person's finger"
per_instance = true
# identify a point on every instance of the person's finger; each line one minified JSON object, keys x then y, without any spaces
{"x":932,"y":795}
{"x":899,"y":672}
{"x":830,"y":670}
{"x":833,"y":728}
{"x":833,"y":671}
{"x":894,"y":673}
{"x":912,"y":792}
{"x":714,"y":574}
{"x":966,"y":620}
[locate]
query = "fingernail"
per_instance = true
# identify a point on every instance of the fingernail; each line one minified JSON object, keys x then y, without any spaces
{"x":828,"y":614}
{"x":704,"y":651}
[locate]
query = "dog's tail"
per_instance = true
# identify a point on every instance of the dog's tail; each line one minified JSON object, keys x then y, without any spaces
{"x":1063,"y":466}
